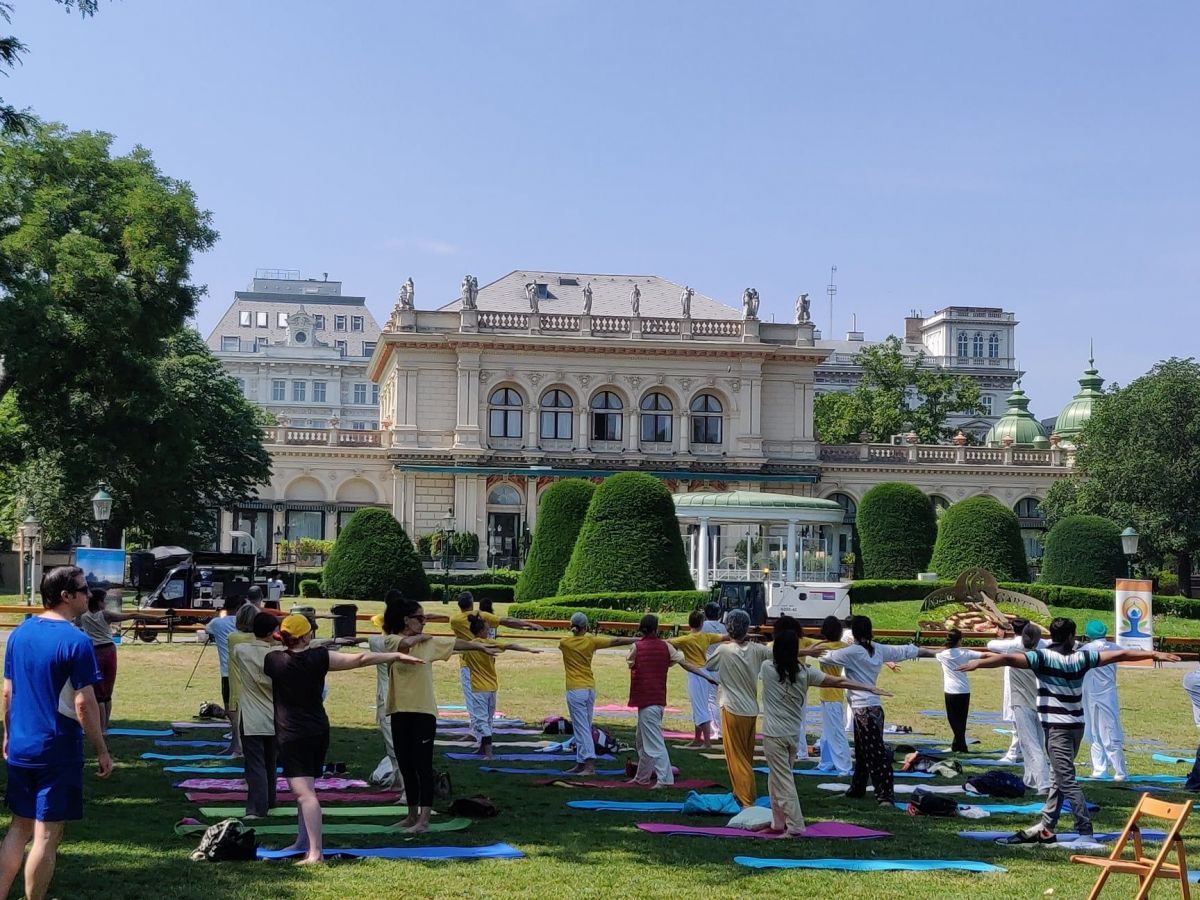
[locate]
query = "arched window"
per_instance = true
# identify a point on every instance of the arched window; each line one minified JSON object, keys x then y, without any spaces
{"x":656,"y":419}
{"x":1029,"y":508}
{"x":940,"y":503}
{"x":504,"y":495}
{"x":977,"y":344}
{"x":557,"y":418}
{"x":504,"y":413}
{"x":846,"y":502}
{"x":962,"y":343}
{"x":606,"y":417}
{"x":706,"y":420}
{"x":993,"y":346}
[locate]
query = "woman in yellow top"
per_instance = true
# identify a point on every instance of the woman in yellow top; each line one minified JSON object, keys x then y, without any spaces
{"x":412,"y":704}
{"x":694,"y":646}
{"x":835,"y":746}
{"x":578,"y":650}
{"x":484,"y":683}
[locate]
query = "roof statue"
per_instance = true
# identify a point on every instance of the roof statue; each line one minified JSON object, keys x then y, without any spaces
{"x":750,"y":303}
{"x":685,"y":300}
{"x":407,"y":297}
{"x":803,"y":310}
{"x":531,"y":291}
{"x":635,"y":300}
{"x":587,"y":299}
{"x":470,"y":292}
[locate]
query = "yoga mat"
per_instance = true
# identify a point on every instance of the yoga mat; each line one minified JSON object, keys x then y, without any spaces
{"x":466,"y":731}
{"x":207,"y":770}
{"x":820,"y":830}
{"x":617,"y":707}
{"x":238,"y":784}
{"x":687,"y":784}
{"x":187,"y":757}
{"x":385,"y":811}
{"x":522,"y":757}
{"x":178,"y":743}
{"x":492,"y":851}
{"x":1007,"y":808}
{"x":471,"y":742}
{"x":900,"y":788}
{"x":179,"y":726}
{"x":641,"y":806}
{"x":825,"y":774}
{"x":184,"y":829}
{"x":456,"y":706}
{"x":505,"y":770}
{"x":987,"y":762}
{"x":1064,"y":837}
{"x":870,"y":865}
{"x":324,"y":796}
{"x":1150,"y":779}
{"x":459,"y":723}
{"x":1162,"y":757}
{"x":138,"y":732}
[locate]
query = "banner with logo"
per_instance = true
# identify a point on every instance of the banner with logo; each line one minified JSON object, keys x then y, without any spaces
{"x":1135,"y":614}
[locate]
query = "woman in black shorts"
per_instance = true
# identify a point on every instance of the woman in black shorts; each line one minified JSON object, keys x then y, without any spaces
{"x":301,"y":726}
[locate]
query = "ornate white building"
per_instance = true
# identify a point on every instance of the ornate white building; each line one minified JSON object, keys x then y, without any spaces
{"x":538,"y":376}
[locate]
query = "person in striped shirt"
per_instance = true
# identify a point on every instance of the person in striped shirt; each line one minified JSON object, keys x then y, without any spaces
{"x":1060,"y":668}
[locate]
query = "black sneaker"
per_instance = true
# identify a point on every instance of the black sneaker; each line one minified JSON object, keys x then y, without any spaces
{"x":1041,"y":836}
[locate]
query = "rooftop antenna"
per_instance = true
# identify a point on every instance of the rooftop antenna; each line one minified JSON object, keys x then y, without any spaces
{"x":831,"y":290}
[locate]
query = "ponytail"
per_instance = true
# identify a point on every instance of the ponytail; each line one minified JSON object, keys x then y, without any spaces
{"x":860,"y":628}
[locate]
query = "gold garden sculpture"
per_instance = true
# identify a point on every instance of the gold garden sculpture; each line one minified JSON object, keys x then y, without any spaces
{"x":977,"y":590}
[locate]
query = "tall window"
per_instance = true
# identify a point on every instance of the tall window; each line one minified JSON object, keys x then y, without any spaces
{"x":368,"y":348}
{"x":374,"y":395}
{"x":993,"y":346}
{"x":356,"y":323}
{"x":305,"y":523}
{"x":360,"y":394}
{"x":339,"y":323}
{"x":504,"y":413}
{"x":319,"y":391}
{"x":962,"y":343}
{"x":977,"y":344}
{"x":231,"y":344}
{"x":656,"y":419}
{"x":260,"y":320}
{"x":557,"y":417}
{"x":245,"y":318}
{"x":298,"y":391}
{"x":986,"y":402}
{"x":606,"y":417}
{"x":318,"y":322}
{"x":282,"y":321}
{"x":340,"y":346}
{"x":706,"y":420}
{"x":278,"y":389}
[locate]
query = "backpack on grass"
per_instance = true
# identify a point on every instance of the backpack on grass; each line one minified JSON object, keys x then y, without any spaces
{"x":996,"y":783}
{"x":480,"y":806}
{"x":927,"y":803}
{"x":557,"y":725}
{"x":227,"y":841}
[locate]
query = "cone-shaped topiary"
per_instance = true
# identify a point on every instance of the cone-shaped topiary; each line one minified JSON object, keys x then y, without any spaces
{"x":629,"y":541}
{"x":560,"y":516}
{"x":980,"y":531}
{"x":373,"y":555}
{"x":896,"y":530}
{"x":1083,"y":551}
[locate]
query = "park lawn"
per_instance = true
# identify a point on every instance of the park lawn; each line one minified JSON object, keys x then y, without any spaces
{"x":125,"y":847}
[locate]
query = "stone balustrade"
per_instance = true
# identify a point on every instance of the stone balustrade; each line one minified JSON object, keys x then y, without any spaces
{"x":946,"y":455}
{"x":327,"y":437}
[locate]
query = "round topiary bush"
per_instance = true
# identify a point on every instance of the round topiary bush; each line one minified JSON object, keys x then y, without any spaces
{"x":629,"y":541}
{"x":1083,"y":551}
{"x":896,"y":531}
{"x":980,"y":531}
{"x":560,"y":516}
{"x":373,"y":555}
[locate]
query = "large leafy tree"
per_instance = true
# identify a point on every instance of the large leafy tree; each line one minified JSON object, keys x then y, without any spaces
{"x":1138,"y":463}
{"x":896,"y":394}
{"x":13,"y":120}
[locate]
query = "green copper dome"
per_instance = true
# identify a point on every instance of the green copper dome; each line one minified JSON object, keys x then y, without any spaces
{"x":1019,"y":424}
{"x":1070,"y":421}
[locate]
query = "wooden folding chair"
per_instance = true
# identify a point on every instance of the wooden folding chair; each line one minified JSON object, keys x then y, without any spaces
{"x":1147,"y":869}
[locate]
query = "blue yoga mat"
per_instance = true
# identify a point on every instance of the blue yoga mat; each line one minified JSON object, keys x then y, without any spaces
{"x":186,"y":757}
{"x":1002,"y":808}
{"x":522,"y":757}
{"x":1150,"y":779}
{"x":827,"y":774}
{"x":492,"y":851}
{"x":1063,"y":836}
{"x":641,"y":806}
{"x":986,"y":762}
{"x":206,"y":770}
{"x":139,"y":732}
{"x":1162,"y":757}
{"x":505,"y":770}
{"x":870,"y":865}
{"x":191,"y":743}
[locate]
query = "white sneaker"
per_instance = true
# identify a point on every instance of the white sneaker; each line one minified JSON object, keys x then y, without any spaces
{"x":1009,"y":759}
{"x":1119,"y":777}
{"x":1098,"y":773}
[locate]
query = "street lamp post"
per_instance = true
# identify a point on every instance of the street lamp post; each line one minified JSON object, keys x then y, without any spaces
{"x":1129,"y":546}
{"x":31,"y":531}
{"x":447,"y":552}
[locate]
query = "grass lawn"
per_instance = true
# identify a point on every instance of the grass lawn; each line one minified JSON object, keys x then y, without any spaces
{"x":125,"y":846}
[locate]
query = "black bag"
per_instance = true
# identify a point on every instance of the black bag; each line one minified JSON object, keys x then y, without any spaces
{"x":927,"y":803}
{"x":604,"y":742}
{"x":227,"y":841}
{"x":478,"y":807}
{"x":210,"y":710}
{"x":996,"y":783}
{"x":557,"y":725}
{"x":442,"y":788}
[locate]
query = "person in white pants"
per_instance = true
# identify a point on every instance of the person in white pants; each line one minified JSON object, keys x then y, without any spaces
{"x":1021,"y":687}
{"x":1013,"y":753}
{"x":1101,"y":709}
{"x":834,"y":744}
{"x":577,"y":651}
{"x":712,"y":625}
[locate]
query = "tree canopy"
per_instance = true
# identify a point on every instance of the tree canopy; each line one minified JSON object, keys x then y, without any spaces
{"x":896,"y":394}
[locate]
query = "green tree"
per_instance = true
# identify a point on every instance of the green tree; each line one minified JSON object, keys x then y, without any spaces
{"x":1083,"y":551}
{"x":630,"y":540}
{"x":13,"y":120}
{"x":896,"y":528}
{"x":838,"y":418}
{"x":980,"y":531}
{"x":372,"y":555}
{"x":560,"y":516}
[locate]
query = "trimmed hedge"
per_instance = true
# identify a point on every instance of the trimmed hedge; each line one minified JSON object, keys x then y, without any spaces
{"x":630,"y":540}
{"x":310,"y":587}
{"x":470,"y":579}
{"x":631,"y":601}
{"x":499,"y":593}
{"x":980,"y":531}
{"x":896,"y":530}
{"x":550,"y":611}
{"x":373,"y":555}
{"x":1084,"y":551}
{"x":560,"y":516}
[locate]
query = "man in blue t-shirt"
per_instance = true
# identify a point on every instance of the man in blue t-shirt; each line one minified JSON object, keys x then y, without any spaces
{"x":1060,"y":668}
{"x":49,"y":703}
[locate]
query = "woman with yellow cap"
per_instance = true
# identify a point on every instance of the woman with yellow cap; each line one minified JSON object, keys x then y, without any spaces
{"x":301,"y":727}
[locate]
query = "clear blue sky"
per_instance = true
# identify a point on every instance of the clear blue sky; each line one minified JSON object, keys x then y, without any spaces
{"x":1040,"y":156}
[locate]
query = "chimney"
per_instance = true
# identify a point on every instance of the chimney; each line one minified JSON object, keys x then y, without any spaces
{"x":912,"y":328}
{"x":854,"y":334}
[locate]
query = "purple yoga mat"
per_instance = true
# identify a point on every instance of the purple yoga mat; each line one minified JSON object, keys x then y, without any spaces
{"x":330,"y":796}
{"x":687,"y":784}
{"x":840,"y":830}
{"x":521,"y":757}
{"x":454,"y":732}
{"x":239,"y":784}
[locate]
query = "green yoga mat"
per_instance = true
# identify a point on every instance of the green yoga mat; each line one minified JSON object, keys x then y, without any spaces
{"x":334,"y":828}
{"x":383,"y":811}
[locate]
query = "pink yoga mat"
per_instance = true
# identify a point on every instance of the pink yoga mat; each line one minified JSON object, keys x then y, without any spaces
{"x":329,"y":796}
{"x":691,"y":784}
{"x":616,"y":707}
{"x":455,"y":732}
{"x":815,"y":830}
{"x":239,"y":784}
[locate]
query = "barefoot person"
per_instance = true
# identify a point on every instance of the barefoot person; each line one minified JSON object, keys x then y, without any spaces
{"x":1102,"y":709}
{"x":256,"y":709}
{"x":738,"y":663}
{"x":834,"y":745}
{"x":785,"y":681}
{"x":695,"y":645}
{"x":485,"y":684}
{"x":1021,"y":703}
{"x":1060,"y":669}
{"x":412,"y":704}
{"x":50,"y":672}
{"x":97,"y":623}
{"x":649,"y":659}
{"x":956,"y":687}
{"x":243,"y":633}
{"x":577,"y":652}
{"x":297,"y":676}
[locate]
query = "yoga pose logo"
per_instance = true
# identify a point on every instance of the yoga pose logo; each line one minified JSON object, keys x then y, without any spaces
{"x":1134,"y":611}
